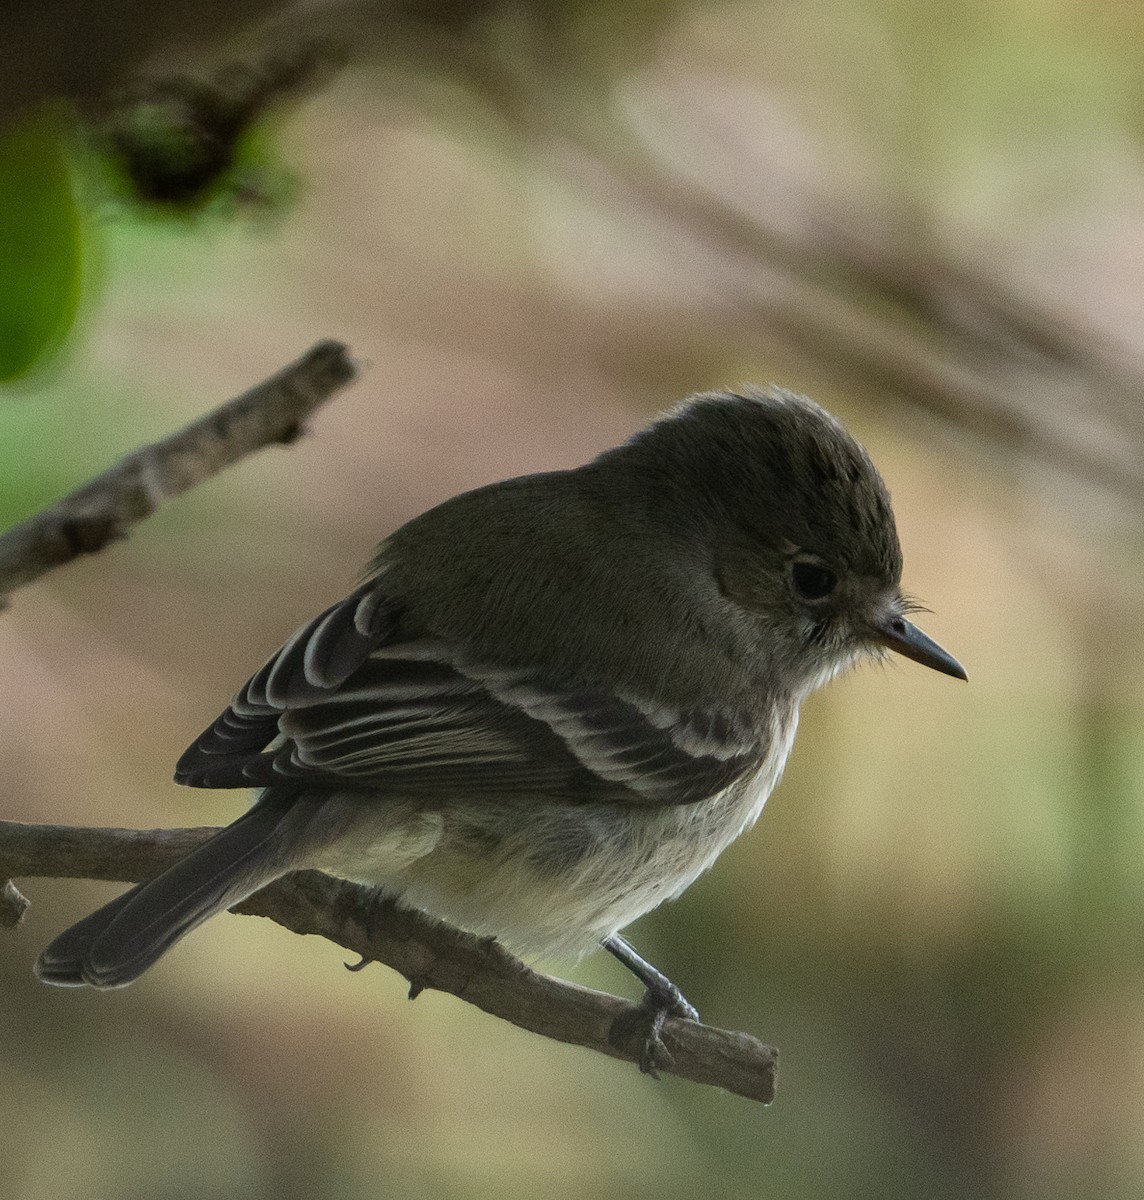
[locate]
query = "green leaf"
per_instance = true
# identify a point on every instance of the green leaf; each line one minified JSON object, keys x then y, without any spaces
{"x":41,"y":242}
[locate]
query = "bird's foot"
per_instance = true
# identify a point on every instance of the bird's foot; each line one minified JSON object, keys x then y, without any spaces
{"x":646,"y":1021}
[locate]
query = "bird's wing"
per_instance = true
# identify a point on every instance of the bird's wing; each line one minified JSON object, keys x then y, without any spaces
{"x":345,"y":705}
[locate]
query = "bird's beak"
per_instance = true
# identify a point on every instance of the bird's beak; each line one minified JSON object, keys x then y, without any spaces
{"x":906,"y":638}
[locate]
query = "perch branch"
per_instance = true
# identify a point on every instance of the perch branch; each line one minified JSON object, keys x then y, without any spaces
{"x":102,"y":510}
{"x":428,"y":953}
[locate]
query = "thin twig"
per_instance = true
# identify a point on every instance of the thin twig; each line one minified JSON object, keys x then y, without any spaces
{"x":428,"y":953}
{"x":103,"y":510}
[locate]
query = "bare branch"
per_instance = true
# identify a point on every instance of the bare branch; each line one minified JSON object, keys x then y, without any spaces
{"x":428,"y":953}
{"x":104,"y":509}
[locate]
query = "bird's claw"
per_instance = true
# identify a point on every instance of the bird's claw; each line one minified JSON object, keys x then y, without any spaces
{"x":676,"y":1004}
{"x":654,"y":1055}
{"x":647,"y":1019}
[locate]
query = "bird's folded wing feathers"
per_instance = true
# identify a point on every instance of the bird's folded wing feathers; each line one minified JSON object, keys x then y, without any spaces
{"x":344,"y":704}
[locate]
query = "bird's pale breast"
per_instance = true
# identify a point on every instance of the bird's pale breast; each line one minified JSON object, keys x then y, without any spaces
{"x":550,"y":880}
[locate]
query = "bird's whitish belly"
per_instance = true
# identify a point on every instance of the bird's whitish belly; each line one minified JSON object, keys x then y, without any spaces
{"x":548,"y":880}
{"x":552,"y":881}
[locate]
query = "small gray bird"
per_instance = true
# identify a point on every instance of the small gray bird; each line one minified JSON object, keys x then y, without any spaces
{"x":555,"y":700}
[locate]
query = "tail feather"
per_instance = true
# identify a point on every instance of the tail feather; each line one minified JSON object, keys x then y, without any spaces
{"x":61,"y":963}
{"x":118,"y":942}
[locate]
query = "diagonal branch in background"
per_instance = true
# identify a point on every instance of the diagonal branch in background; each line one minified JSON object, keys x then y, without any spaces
{"x":957,"y":343}
{"x":936,"y":339}
{"x":103,"y":510}
{"x":428,"y":953}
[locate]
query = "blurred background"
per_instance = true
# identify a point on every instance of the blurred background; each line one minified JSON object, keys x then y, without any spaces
{"x":537,"y":224}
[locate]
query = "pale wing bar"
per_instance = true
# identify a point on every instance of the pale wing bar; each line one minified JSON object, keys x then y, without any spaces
{"x":334,"y":708}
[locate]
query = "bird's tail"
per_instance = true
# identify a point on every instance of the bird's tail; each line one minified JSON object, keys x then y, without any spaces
{"x":119,"y":941}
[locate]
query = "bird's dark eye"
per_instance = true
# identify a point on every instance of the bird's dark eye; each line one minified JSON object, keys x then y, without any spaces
{"x":812,"y":580}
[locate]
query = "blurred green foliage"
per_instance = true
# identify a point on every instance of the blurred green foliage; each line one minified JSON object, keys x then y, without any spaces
{"x":42,"y":242}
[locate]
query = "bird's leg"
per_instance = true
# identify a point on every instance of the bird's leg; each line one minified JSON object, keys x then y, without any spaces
{"x":661,"y":999}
